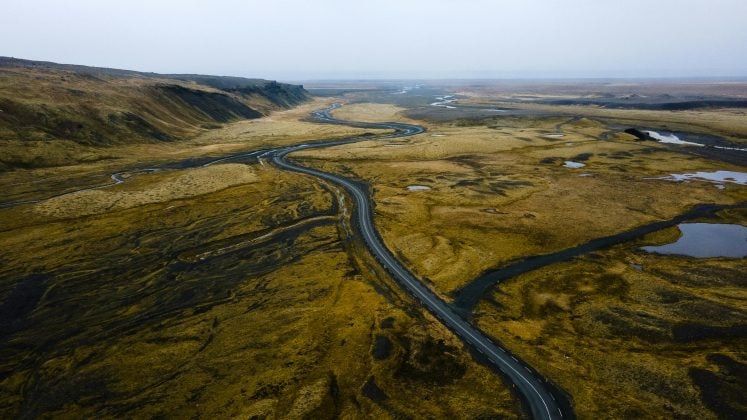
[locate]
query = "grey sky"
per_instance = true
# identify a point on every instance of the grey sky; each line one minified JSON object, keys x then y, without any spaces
{"x":294,"y":39}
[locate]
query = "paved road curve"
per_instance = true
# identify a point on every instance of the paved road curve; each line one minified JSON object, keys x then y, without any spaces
{"x":532,"y":388}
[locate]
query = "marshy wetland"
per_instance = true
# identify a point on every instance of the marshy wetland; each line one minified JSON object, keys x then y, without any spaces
{"x":604,"y":317}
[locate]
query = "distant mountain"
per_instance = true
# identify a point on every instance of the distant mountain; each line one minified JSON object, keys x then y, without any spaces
{"x":41,"y":102}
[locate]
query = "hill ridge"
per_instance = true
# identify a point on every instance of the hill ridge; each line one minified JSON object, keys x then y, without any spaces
{"x":45,"y":105}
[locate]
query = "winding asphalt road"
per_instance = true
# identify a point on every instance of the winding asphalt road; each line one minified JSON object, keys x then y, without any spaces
{"x":535,"y":392}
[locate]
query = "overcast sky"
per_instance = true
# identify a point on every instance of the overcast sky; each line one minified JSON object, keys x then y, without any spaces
{"x":295,"y":39}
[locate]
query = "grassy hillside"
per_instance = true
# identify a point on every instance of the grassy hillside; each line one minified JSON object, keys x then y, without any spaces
{"x":54,"y":114}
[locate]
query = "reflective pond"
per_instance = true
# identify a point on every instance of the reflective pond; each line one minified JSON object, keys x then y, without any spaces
{"x":706,"y":240}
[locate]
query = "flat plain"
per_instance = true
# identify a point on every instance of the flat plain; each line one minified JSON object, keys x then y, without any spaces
{"x":193,"y":286}
{"x":662,"y":334}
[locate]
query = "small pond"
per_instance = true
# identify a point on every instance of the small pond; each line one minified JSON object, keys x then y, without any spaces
{"x":571,"y":164}
{"x":706,"y":240}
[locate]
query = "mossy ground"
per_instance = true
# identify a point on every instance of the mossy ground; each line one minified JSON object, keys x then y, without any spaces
{"x":234,"y":290}
{"x":631,"y":325}
{"x":281,"y":128}
{"x":500,"y":192}
{"x":661,"y":342}
{"x":226,"y":291}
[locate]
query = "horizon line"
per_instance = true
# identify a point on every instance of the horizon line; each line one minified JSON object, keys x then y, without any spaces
{"x":368,"y":78}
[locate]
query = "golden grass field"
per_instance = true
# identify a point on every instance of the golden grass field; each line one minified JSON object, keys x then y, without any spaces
{"x":600,"y":327}
{"x":729,"y":123}
{"x":222,"y":291}
{"x":602,"y":330}
{"x":284,"y":127}
{"x":235,"y":290}
{"x":491,"y":198}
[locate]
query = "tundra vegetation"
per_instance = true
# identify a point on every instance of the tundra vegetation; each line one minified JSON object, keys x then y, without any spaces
{"x":662,"y":334}
{"x":236,"y":289}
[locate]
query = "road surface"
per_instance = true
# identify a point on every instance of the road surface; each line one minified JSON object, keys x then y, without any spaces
{"x":535,"y":392}
{"x":531,"y":387}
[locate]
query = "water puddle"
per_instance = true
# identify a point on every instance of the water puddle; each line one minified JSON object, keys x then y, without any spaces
{"x":406,"y":89}
{"x":571,"y":164}
{"x":418,"y":188}
{"x":706,"y":240}
{"x":717,"y":177}
{"x":670,"y":138}
{"x":673,"y":139}
{"x":444,"y":101}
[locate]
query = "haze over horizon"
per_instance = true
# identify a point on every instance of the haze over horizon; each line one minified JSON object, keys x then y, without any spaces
{"x":332,"y":39}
